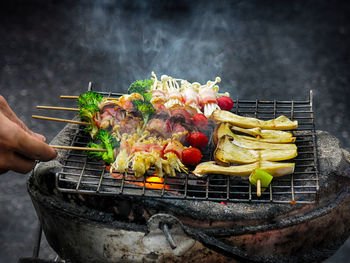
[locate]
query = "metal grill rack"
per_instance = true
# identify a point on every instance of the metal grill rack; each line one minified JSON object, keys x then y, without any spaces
{"x":83,"y":176}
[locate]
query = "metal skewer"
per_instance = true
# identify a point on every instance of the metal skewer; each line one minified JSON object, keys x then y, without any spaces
{"x":59,"y":120}
{"x":56,"y":108}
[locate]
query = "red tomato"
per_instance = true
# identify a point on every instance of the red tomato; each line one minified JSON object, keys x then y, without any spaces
{"x":191,"y":156}
{"x":198,"y":139}
{"x":200,"y":121}
{"x":225,"y":103}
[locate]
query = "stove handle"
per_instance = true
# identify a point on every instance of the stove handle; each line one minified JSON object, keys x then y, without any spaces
{"x":166,"y":235}
{"x":181,"y":238}
{"x":166,"y":230}
{"x":222,"y":248}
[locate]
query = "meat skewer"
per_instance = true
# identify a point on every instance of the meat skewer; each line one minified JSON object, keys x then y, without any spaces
{"x":207,"y":97}
{"x":190,"y":96}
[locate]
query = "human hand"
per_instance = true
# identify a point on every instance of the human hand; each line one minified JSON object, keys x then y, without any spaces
{"x":19,"y":146}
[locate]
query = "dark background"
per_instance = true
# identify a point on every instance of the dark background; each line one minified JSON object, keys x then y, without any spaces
{"x":260,"y":49}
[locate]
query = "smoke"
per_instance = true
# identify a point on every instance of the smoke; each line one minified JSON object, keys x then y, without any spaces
{"x":181,"y":40}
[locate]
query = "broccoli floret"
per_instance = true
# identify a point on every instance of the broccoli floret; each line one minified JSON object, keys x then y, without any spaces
{"x":89,"y":98}
{"x":87,"y":113}
{"x":108,"y":142}
{"x":140,"y":86}
{"x":146,"y":108}
{"x":92,"y":129}
{"x":97,"y":155}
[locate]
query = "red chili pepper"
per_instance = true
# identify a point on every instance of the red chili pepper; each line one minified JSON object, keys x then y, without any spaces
{"x":198,"y":139}
{"x":191,"y":156}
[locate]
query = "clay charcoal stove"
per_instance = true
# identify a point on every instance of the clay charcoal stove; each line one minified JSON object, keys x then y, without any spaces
{"x":88,"y":215}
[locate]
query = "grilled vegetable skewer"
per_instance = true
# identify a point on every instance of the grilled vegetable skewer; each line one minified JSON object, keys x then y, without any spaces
{"x":276,"y":169}
{"x":280,"y":123}
{"x":261,"y":179}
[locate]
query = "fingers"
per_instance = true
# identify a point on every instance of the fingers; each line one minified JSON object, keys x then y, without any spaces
{"x":7,"y":111}
{"x":15,"y":162}
{"x":21,"y":159}
{"x":19,"y":146}
{"x":15,"y":139}
{"x":19,"y":163}
{"x":33,"y":148}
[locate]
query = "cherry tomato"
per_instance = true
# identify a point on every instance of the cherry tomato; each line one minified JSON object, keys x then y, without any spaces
{"x":200,"y":121}
{"x":225,"y":103}
{"x":191,"y":156}
{"x":198,"y":139}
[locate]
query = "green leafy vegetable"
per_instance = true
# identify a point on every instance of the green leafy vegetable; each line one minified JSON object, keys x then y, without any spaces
{"x":144,"y":106}
{"x":264,"y":177}
{"x":97,"y":155}
{"x":87,"y":113}
{"x":108,"y":142}
{"x":89,"y":98}
{"x":141,"y":87}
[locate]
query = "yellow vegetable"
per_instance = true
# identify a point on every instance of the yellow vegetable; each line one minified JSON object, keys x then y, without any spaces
{"x":280,"y":123}
{"x":227,"y":152}
{"x":274,"y":168}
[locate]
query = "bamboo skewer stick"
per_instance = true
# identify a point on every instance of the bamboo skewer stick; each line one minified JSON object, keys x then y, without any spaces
{"x":258,"y":187}
{"x":68,"y":97}
{"x":56,"y":108}
{"x":78,"y":148}
{"x":76,"y":97}
{"x":59,"y":120}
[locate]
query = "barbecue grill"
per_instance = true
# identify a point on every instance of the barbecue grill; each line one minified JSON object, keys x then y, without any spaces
{"x":80,"y":175}
{"x":91,"y":215}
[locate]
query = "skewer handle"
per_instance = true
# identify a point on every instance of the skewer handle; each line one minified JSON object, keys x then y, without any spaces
{"x":258,"y":187}
{"x":78,"y":148}
{"x":59,"y":120}
{"x":77,"y":97}
{"x":56,"y":108}
{"x":68,"y":97}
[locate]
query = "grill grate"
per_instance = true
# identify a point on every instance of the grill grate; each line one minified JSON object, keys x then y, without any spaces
{"x":83,"y":176}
